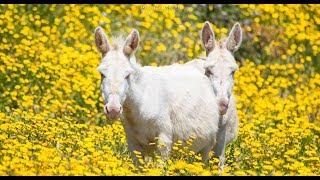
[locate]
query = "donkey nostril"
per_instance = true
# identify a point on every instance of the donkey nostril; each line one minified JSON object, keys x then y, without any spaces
{"x":113,"y":110}
{"x":223,"y":103}
{"x":223,"y":106}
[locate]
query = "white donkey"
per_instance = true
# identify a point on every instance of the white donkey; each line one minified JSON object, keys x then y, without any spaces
{"x":219,"y":66}
{"x":158,"y":105}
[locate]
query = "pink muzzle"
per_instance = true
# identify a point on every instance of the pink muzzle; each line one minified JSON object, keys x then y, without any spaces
{"x":113,"y":108}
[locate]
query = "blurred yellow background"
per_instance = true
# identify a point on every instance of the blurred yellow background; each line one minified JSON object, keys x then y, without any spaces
{"x":51,"y":117}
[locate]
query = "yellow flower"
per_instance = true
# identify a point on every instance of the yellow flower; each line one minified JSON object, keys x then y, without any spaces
{"x":51,"y":118}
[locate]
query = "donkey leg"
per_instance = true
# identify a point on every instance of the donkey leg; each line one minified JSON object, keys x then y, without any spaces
{"x":134,"y":147}
{"x":205,"y":154}
{"x":219,"y":149}
{"x":164,"y":145}
{"x":221,"y":163}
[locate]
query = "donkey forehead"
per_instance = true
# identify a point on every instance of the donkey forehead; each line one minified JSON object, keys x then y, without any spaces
{"x":221,"y":57}
{"x":113,"y":61}
{"x":114,"y":56}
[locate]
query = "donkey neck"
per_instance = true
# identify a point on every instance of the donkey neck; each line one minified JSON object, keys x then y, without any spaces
{"x":135,"y":89}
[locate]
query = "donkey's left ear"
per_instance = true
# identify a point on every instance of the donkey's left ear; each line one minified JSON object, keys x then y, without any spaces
{"x":131,"y":43}
{"x":234,"y":38}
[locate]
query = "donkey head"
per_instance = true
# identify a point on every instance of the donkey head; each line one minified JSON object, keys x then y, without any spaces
{"x":220,"y":64}
{"x":115,"y":69}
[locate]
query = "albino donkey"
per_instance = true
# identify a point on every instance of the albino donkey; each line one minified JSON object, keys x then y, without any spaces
{"x":167,"y":103}
{"x":220,"y":66}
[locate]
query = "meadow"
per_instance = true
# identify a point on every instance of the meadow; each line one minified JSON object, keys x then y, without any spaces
{"x":51,"y":114}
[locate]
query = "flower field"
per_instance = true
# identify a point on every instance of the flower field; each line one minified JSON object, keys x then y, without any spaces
{"x":51,"y":116}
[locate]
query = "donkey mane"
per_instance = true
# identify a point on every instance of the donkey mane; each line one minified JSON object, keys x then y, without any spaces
{"x":117,"y":42}
{"x":221,"y":42}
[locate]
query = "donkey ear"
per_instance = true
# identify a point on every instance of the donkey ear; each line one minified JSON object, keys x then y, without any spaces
{"x":101,"y":40}
{"x":235,"y":38}
{"x":207,"y":36}
{"x":131,"y":42}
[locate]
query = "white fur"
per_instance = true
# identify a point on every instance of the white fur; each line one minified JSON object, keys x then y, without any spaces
{"x":230,"y":118}
{"x":160,"y":104}
{"x":221,"y":64}
{"x":228,"y":123}
{"x":172,"y":103}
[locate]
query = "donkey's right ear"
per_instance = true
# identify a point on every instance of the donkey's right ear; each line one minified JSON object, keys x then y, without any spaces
{"x":207,"y":36}
{"x":101,"y":40}
{"x":131,"y":43}
{"x":235,"y":38}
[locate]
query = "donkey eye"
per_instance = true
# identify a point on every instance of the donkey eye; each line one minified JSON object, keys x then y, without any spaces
{"x":208,"y":72}
{"x":102,"y":76}
{"x":232,"y":73}
{"x":127,"y":76}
